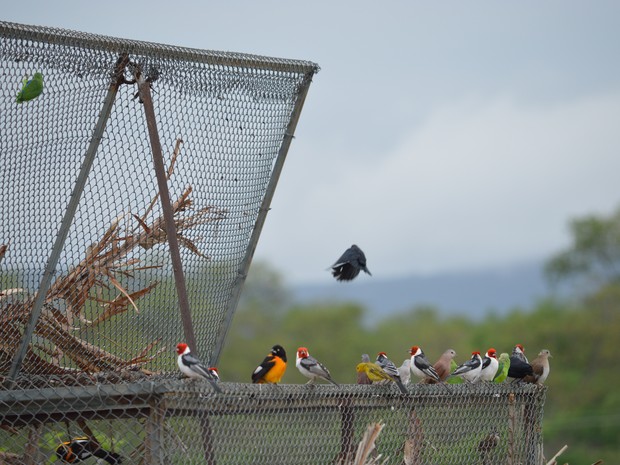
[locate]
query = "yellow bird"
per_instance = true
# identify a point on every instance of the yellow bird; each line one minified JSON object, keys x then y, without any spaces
{"x":374,"y":372}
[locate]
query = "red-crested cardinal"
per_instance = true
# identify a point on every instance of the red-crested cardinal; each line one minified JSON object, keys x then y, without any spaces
{"x":420,"y":366}
{"x":311,"y":368}
{"x":192,"y":367}
{"x":490,"y":364}
{"x":470,"y":370}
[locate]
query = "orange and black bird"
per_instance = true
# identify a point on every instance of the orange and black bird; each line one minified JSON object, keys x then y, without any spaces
{"x":272,"y":368}
{"x":79,"y":449}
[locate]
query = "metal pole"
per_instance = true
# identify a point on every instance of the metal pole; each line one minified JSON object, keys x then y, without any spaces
{"x":144,"y":88}
{"x":155,"y":424}
{"x":242,"y":272}
{"x":59,"y":243}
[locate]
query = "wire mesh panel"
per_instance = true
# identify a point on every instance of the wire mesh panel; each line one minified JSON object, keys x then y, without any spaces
{"x":189,"y":423}
{"x":224,"y":123}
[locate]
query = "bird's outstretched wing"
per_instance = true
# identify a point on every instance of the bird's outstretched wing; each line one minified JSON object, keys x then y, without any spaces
{"x":350,"y":263}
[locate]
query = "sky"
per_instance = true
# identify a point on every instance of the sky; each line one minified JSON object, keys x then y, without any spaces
{"x":437,"y":136}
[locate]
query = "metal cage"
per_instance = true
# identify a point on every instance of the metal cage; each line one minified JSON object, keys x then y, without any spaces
{"x":134,"y":190}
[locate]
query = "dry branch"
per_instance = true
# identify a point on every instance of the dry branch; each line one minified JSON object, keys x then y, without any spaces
{"x":367,"y":446}
{"x":560,"y":452}
{"x":104,"y":264}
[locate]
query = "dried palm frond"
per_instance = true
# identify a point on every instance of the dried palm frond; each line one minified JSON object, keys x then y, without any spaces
{"x":367,"y":446}
{"x":106,"y":265}
{"x":60,"y":342}
{"x":121,"y":303}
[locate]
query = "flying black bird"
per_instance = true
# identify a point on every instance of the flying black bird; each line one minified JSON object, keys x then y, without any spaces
{"x":348,"y":266}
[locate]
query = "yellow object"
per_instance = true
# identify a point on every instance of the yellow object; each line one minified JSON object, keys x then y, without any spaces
{"x":374,"y":372}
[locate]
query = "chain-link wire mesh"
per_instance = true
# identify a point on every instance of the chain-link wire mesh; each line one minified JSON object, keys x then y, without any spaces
{"x":224,"y":122}
{"x":177,"y":422}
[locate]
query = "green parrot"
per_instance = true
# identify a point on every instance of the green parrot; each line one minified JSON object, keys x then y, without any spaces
{"x":31,"y":89}
{"x":502,"y":369}
{"x":453,"y":379}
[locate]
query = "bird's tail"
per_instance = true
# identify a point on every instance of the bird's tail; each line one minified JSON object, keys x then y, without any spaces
{"x":333,"y":382}
{"x":215,"y":387}
{"x":401,"y":386}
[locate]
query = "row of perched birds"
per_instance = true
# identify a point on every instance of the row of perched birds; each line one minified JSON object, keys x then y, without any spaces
{"x":489,"y":368}
{"x":478,"y":368}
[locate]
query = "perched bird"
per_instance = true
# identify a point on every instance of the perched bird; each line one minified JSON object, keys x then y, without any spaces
{"x":80,"y":449}
{"x":348,"y":266}
{"x":374,"y":372}
{"x":272,"y":367}
{"x":470,"y":370}
{"x":443,"y":366}
{"x":405,"y":371}
{"x":31,"y":89}
{"x":519,"y":352}
{"x":388,"y":366}
{"x":192,"y":367}
{"x":540,"y":368}
{"x":490,"y":365}
{"x":420,"y":366}
{"x":311,"y":368}
{"x":486,"y":447}
{"x":362,"y":377}
{"x":519,"y":367}
{"x":502,"y":369}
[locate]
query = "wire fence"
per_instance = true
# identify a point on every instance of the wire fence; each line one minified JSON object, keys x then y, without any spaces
{"x":186,"y":422}
{"x":82,"y":226}
{"x":134,"y":190}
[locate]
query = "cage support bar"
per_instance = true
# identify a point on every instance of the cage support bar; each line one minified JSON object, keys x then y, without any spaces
{"x":155,"y":426}
{"x":144,"y":88}
{"x":67,"y":219}
{"x":242,"y":272}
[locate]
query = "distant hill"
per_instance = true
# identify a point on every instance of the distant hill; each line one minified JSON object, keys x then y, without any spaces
{"x":474,"y":293}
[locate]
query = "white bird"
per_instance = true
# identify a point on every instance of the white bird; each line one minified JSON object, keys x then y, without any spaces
{"x":311,"y":368}
{"x":405,"y":371}
{"x":420,"y":366}
{"x":470,"y":370}
{"x":192,"y":367}
{"x":490,"y":364}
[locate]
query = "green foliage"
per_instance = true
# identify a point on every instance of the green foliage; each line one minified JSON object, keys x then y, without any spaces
{"x":594,"y":253}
